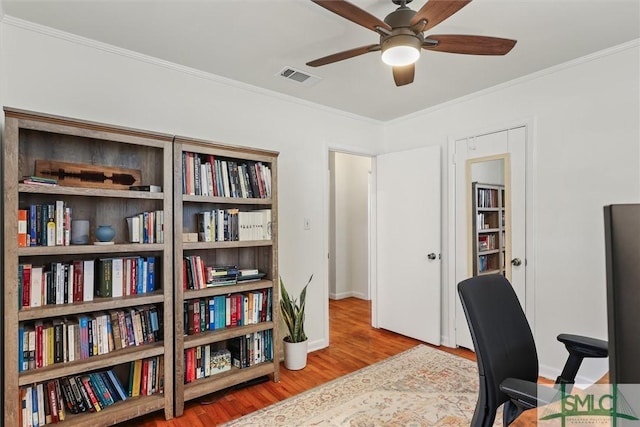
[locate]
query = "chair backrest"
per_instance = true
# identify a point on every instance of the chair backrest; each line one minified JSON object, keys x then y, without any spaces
{"x":501,"y":334}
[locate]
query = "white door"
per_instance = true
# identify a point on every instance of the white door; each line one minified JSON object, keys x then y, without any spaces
{"x":408,"y":243}
{"x":509,"y":145}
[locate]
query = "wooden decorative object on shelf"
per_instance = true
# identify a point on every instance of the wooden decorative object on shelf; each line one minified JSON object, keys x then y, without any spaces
{"x":88,"y":175}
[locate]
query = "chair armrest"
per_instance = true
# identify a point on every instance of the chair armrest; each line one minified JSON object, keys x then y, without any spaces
{"x":584,"y":346}
{"x":529,"y":394}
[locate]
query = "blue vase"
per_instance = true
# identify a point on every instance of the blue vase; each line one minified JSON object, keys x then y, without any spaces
{"x":105,"y":233}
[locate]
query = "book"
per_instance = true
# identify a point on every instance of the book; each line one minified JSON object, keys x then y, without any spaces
{"x":36,"y":287}
{"x":61,"y":408}
{"x":149,"y":188}
{"x":135,"y":378}
{"x":50,"y":219}
{"x":88,"y":273}
{"x":59,"y":222}
{"x":53,"y":402}
{"x":133,"y":226}
{"x":151,"y":274}
{"x":24,"y":239}
{"x":117,"y":279}
{"x":41,"y":407}
{"x":104,"y":278}
{"x":33,"y":179}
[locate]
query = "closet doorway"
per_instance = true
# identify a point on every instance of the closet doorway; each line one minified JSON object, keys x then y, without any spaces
{"x":349,"y":225}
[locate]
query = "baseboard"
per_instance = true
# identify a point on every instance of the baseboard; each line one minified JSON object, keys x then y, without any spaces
{"x":344,"y":295}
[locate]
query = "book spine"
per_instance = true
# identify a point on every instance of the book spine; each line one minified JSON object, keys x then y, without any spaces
{"x":51,"y":403}
{"x":33,"y":225}
{"x":84,"y":395}
{"x":23,"y":233}
{"x":117,"y":385}
{"x":77,"y":396}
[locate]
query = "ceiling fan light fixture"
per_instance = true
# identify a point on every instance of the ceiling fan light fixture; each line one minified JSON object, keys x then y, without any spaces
{"x":401,"y":50}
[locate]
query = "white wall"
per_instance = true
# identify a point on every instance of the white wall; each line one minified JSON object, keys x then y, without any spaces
{"x":586,"y":119}
{"x":351,"y":208}
{"x":59,"y":74}
{"x":586,"y":152}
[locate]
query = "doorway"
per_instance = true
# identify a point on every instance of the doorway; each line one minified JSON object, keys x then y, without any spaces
{"x":349,"y":225}
{"x":510,"y":150}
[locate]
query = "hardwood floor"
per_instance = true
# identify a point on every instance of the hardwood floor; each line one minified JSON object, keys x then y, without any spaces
{"x":354,"y":344}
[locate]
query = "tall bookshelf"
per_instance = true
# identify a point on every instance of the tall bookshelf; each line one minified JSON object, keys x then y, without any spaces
{"x":28,"y":137}
{"x":488,"y":220}
{"x":221,"y":250}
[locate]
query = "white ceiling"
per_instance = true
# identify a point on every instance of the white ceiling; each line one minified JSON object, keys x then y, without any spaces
{"x":252,"y":40}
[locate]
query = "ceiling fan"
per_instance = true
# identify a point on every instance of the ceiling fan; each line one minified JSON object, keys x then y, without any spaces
{"x":401,"y":35}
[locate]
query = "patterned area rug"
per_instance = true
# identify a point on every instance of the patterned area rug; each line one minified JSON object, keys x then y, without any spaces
{"x":419,"y":387}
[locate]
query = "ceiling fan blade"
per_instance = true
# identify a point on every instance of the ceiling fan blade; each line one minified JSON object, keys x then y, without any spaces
{"x":353,"y":13}
{"x":404,"y":75}
{"x":469,"y":45}
{"x":436,"y":11}
{"x":343,"y":55}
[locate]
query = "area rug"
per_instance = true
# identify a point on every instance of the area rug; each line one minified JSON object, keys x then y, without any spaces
{"x":419,"y":387}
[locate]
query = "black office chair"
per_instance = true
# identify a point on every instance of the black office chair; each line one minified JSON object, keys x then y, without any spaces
{"x":506,"y":352}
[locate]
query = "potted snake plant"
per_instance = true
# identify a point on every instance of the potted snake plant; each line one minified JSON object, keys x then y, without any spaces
{"x":295,"y":342}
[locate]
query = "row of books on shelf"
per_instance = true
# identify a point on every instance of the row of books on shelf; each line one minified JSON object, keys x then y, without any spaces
{"x":489,"y":220}
{"x":146,"y":227}
{"x":245,"y":351}
{"x":124,"y":276}
{"x":488,"y":262}
{"x":195,"y":275}
{"x":45,"y":343}
{"x":487,"y":242}
{"x":50,"y":225}
{"x":205,"y":175}
{"x":81,"y":280}
{"x":49,"y":402}
{"x":45,"y":225}
{"x":487,"y":198}
{"x":220,"y":225}
{"x":204,"y":361}
{"x":224,"y":311}
{"x":251,"y":349}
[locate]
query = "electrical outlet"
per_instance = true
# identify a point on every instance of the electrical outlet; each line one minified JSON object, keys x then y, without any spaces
{"x":307,"y":224}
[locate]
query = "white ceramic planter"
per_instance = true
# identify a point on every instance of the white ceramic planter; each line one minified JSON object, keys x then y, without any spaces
{"x":295,"y":355}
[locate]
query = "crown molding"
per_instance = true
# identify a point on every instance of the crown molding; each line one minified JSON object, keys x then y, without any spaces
{"x":633,"y":44}
{"x":115,"y":50}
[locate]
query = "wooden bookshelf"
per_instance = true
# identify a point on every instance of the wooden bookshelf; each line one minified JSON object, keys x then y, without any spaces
{"x":261,"y":254}
{"x":488,"y":229}
{"x":30,"y":136}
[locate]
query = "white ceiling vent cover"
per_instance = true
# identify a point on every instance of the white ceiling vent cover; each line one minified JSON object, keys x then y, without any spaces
{"x":298,"y":76}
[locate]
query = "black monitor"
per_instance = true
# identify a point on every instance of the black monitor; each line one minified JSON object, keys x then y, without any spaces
{"x":622,"y":245}
{"x":622,"y":250}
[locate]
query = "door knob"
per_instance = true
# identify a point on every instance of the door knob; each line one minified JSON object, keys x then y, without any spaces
{"x":431,"y":256}
{"x":516,"y":262}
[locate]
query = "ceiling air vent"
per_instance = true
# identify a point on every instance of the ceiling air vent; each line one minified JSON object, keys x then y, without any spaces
{"x":291,"y":73}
